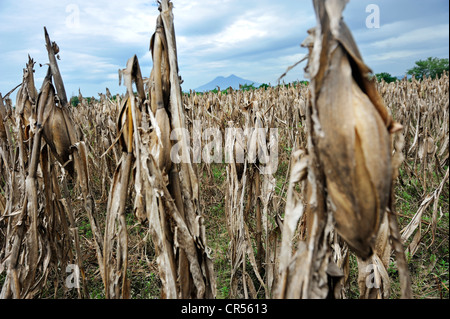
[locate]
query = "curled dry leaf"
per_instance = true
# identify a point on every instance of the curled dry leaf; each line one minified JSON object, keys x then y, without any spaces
{"x":373,"y":278}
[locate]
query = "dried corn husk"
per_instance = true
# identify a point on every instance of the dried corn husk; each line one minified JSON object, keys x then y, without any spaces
{"x":353,"y":138}
{"x":349,"y":129}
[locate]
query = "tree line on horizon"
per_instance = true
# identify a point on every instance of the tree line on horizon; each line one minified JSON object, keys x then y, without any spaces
{"x":428,"y":68}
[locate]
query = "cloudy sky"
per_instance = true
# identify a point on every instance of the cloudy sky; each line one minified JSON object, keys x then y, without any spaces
{"x":253,"y":39}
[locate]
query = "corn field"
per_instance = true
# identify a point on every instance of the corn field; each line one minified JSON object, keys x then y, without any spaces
{"x":335,"y":189}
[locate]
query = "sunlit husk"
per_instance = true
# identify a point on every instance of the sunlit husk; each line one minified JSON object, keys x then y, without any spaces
{"x":353,"y":138}
{"x":355,"y":151}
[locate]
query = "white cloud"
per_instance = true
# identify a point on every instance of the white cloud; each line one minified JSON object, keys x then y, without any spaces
{"x":412,"y":38}
{"x":255,"y":39}
{"x":130,"y":24}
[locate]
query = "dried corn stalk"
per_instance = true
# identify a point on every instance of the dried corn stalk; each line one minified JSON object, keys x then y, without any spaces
{"x":29,"y":250}
{"x":9,"y":196}
{"x":33,"y":230}
{"x":166,"y":192}
{"x":26,"y":98}
{"x":349,"y":144}
{"x":416,"y":221}
{"x":115,"y":280}
{"x":423,"y":107}
{"x":251,"y":184}
{"x":66,"y":145}
{"x":184,"y":186}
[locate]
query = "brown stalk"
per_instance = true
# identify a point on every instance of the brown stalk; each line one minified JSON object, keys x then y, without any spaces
{"x":116,"y":211}
{"x":258,"y":236}
{"x":31,"y":181}
{"x":203,"y":280}
{"x":52,"y":50}
{"x":62,"y":136}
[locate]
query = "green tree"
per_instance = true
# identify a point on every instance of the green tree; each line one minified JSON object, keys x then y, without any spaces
{"x":246,"y":87}
{"x":304,"y":83}
{"x":74,"y":101}
{"x":431,"y":67}
{"x":387,"y":77}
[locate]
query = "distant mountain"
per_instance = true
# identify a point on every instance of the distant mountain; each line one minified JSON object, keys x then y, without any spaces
{"x":225,"y":82}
